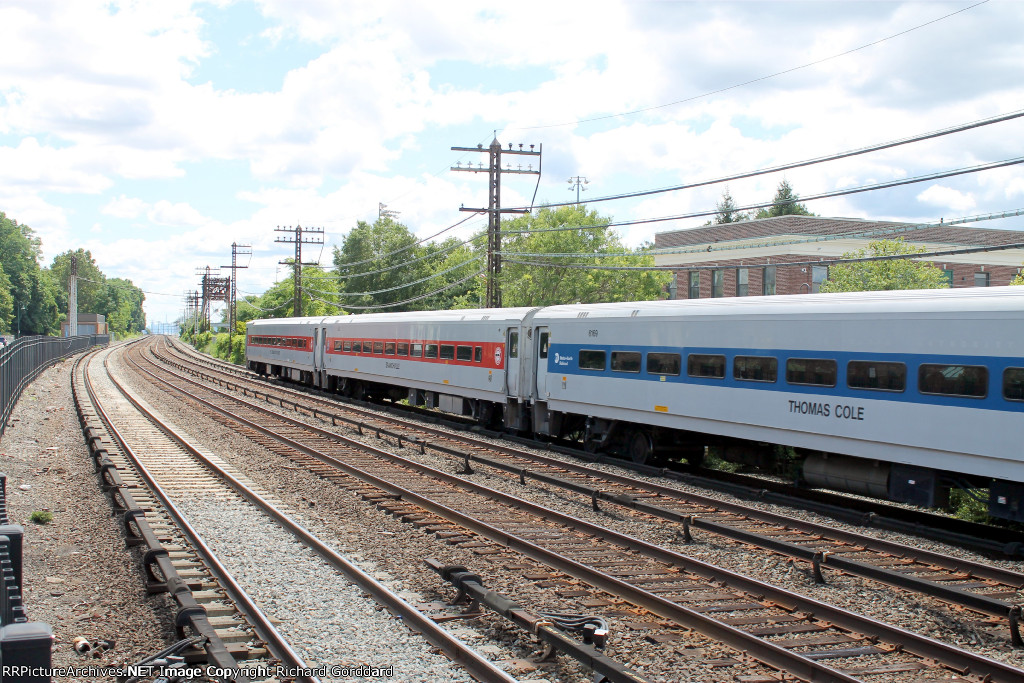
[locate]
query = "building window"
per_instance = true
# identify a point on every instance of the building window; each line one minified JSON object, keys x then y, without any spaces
{"x":768,"y":281}
{"x":818,"y":275}
{"x":694,"y":290}
{"x":981,"y":279}
{"x":742,"y":281}
{"x":947,"y":275}
{"x":717,"y":283}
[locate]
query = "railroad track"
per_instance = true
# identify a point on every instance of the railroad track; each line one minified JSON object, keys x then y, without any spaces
{"x":984,"y":538}
{"x":993,"y":596}
{"x":188,"y":494}
{"x":788,"y":632}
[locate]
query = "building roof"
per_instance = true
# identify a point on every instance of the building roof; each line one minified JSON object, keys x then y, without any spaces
{"x":819,"y":226}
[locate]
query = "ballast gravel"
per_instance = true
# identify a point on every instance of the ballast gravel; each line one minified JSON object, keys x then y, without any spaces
{"x":325,"y":617}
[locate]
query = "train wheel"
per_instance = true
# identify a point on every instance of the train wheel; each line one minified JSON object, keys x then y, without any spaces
{"x":639,"y":447}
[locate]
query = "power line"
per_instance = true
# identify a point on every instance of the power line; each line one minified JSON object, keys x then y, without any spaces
{"x":874,"y":232}
{"x":753,"y":80}
{"x":822,"y":195}
{"x":403,"y":264}
{"x":401,"y":286}
{"x":407,"y":301}
{"x":405,"y":248}
{"x":809,"y":162}
{"x":823,"y":261}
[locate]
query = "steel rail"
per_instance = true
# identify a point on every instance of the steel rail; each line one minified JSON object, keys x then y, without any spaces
{"x":190,"y":611}
{"x":872,"y":514}
{"x":478,"y":666}
{"x":952,"y":594}
{"x":765,"y":651}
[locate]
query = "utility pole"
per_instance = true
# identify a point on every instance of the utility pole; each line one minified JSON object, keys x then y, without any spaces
{"x":73,"y":298}
{"x":236,"y":251}
{"x":579,"y":183}
{"x":297,"y":264}
{"x":494,"y":210}
{"x":214,"y":289}
{"x":384,"y":212}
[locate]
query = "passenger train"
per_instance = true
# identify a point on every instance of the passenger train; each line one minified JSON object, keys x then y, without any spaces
{"x":900,"y":395}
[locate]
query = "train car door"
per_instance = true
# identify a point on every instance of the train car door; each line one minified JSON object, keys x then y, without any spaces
{"x":542,"y":336}
{"x":512,"y":361}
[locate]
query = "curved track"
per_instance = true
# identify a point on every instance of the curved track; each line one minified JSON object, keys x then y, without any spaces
{"x":782,"y":629}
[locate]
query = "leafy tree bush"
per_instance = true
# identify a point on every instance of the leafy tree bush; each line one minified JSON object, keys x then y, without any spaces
{"x":896,"y":273}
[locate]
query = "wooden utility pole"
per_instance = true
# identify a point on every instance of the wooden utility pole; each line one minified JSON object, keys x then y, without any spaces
{"x":297,"y":264}
{"x":494,"y":210}
{"x":236,"y":251}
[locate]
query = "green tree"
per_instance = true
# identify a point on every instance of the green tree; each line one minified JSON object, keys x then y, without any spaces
{"x":785,"y":203}
{"x":1018,"y":279}
{"x":727,"y":212}
{"x":6,"y":301}
{"x":30,"y":286}
{"x":523,"y":283}
{"x":894,"y":273}
{"x":378,"y":263}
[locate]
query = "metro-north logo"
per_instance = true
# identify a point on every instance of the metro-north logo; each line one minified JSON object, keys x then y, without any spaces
{"x":497,"y":356}
{"x":562,"y":360}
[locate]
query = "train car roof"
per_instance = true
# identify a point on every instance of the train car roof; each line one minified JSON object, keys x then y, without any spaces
{"x":458,"y":315}
{"x":978,"y":299}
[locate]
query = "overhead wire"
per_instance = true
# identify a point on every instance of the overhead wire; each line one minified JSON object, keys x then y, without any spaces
{"x":821,"y":195}
{"x":407,"y":301}
{"x":806,"y":162}
{"x":401,"y":286}
{"x":403,"y":264}
{"x":820,"y":261}
{"x":408,"y":246}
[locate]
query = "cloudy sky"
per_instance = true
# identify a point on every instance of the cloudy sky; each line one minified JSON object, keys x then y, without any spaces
{"x":156,"y":133}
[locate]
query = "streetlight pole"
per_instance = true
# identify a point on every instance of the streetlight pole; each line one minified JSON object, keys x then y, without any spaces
{"x":578,"y":182}
{"x":20,"y":309}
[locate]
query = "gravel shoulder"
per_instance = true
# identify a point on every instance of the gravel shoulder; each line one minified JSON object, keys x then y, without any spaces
{"x":79,"y":575}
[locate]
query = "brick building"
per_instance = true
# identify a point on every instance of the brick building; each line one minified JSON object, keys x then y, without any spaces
{"x":789,"y":254}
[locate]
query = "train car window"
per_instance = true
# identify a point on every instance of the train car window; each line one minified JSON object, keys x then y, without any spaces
{"x":431,"y":351}
{"x":357,"y":346}
{"x":416,"y":350}
{"x":478,"y":355}
{"x":705,"y":365}
{"x":871,"y":374}
{"x":664,"y":363}
{"x":464,"y":353}
{"x":545,"y":338}
{"x":626,"y":361}
{"x":337,"y":345}
{"x":755,"y":368}
{"x":970,"y":381}
{"x":447,"y":351}
{"x":815,"y":372}
{"x":513,"y":345}
{"x":347,"y":346}
{"x":1013,"y":384}
{"x":592,"y":360}
{"x":378,"y":347}
{"x":403,"y":348}
{"x":389,"y":348}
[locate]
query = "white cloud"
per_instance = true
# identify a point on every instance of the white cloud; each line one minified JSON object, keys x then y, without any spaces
{"x":125,"y":207}
{"x":176,"y":215}
{"x":947,"y":197}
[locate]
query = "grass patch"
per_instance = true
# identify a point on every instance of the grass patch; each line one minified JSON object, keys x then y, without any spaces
{"x":41,"y":517}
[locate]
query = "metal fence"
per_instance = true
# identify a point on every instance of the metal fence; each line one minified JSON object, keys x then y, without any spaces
{"x":22,"y":360}
{"x":25,"y":646}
